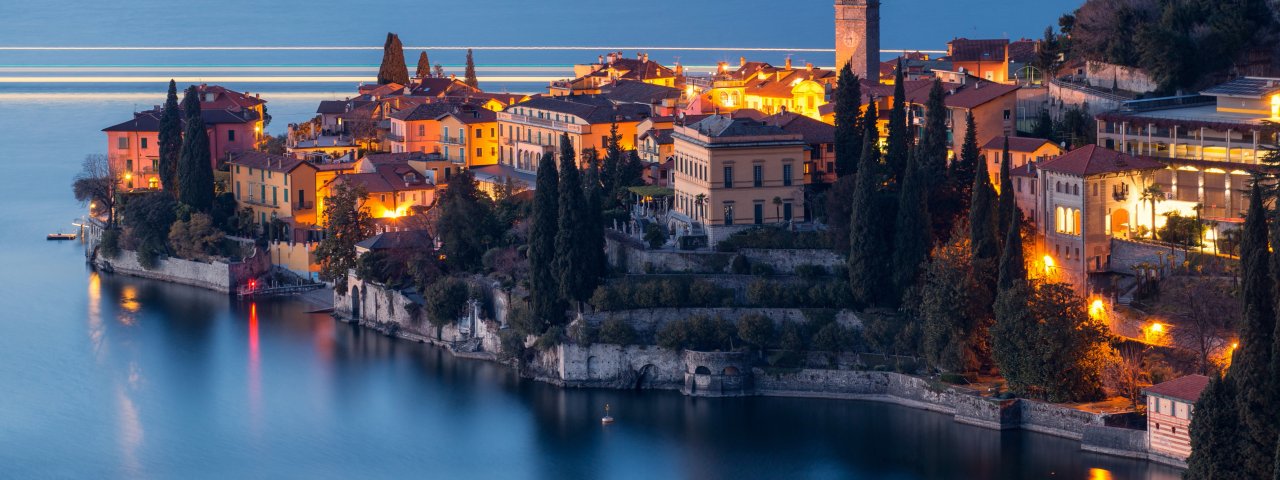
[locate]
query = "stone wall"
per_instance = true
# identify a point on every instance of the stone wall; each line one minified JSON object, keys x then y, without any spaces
{"x":616,"y":366}
{"x":1125,"y":442}
{"x":650,"y":320}
{"x":218,"y":276}
{"x":1105,"y":75}
{"x":1125,"y":254}
{"x":1055,"y":420}
{"x":375,"y":305}
{"x":782,"y":261}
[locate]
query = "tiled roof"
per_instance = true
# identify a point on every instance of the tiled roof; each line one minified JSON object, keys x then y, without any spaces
{"x":149,"y":120}
{"x":225,"y":98}
{"x":1022,"y":51}
{"x":1186,"y":388}
{"x":972,"y":94}
{"x":966,"y":50}
{"x":266,"y":161}
{"x":726,"y":126}
{"x":332,"y":106}
{"x":396,"y":240}
{"x":1026,"y":170}
{"x":633,"y":91}
{"x":813,"y":131}
{"x":592,"y":108}
{"x":387,"y":178}
{"x":1094,"y":160}
{"x":440,"y":86}
{"x":1247,"y":87}
{"x":1017,"y":144}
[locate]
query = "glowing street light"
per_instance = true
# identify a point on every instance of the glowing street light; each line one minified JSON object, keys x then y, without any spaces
{"x":1157,"y":327}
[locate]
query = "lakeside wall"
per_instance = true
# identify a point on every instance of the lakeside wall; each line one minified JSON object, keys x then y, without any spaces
{"x":218,"y":276}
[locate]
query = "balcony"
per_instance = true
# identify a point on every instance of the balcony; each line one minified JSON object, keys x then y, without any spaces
{"x":543,"y":122}
{"x":394,"y":137}
{"x":304,"y":205}
{"x":458,"y":140}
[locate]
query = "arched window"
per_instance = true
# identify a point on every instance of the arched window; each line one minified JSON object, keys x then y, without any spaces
{"x":1075,"y":190}
{"x":1075,"y":225}
{"x":1060,"y":219}
{"x":1057,"y":187}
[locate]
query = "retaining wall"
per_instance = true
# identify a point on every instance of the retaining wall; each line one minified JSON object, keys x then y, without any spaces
{"x":651,"y":320}
{"x":782,"y":261}
{"x":1125,"y":254}
{"x":218,"y":276}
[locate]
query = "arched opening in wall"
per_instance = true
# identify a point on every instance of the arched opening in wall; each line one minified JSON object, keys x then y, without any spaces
{"x":592,"y":367}
{"x":1119,"y":222}
{"x":355,"y":303}
{"x":730,"y":370}
{"x":701,"y":370}
{"x":648,"y":374}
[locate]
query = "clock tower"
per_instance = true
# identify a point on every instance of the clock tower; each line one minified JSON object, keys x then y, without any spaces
{"x":858,"y":37}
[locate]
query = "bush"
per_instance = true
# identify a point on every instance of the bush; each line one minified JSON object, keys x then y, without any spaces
{"x":774,"y":237}
{"x":446,"y":300}
{"x":655,"y":235}
{"x":670,"y":292}
{"x":741,"y":265}
{"x":761,"y":269}
{"x":757,"y":330}
{"x":697,"y":333}
{"x":511,"y":344}
{"x":810,"y":271}
{"x":109,"y":247}
{"x":831,"y":338}
{"x":552,"y":337}
{"x":617,"y":332}
{"x":818,"y":294}
{"x":195,"y":239}
{"x":582,"y":334}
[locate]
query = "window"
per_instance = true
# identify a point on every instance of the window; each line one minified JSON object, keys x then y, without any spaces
{"x":786,"y":212}
{"x":445,"y":134}
{"x":231,"y":135}
{"x":728,"y":177}
{"x":1075,"y":190}
{"x":728,"y":213}
{"x":1095,"y":189}
{"x":1019,"y":185}
{"x":759,"y":213}
{"x":757,"y":175}
{"x":479,"y":151}
{"x":1006,"y":114}
{"x":144,"y":142}
{"x":786,"y":175}
{"x":422,"y":130}
{"x":237,"y":190}
{"x":1057,"y":187}
{"x":479,"y":132}
{"x":122,"y":143}
{"x":286,"y":195}
{"x":128,"y":164}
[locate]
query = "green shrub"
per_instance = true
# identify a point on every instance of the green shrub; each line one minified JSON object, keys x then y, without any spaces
{"x":655,"y":235}
{"x":740,"y":265}
{"x":830,"y":338}
{"x":109,"y":247}
{"x":552,"y":337}
{"x":666,"y":292}
{"x":511,"y":344}
{"x":774,"y":237}
{"x":757,"y":330}
{"x":617,"y":332}
{"x":810,"y":271}
{"x":697,"y":333}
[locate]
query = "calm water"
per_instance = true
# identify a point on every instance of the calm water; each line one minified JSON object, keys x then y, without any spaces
{"x":110,"y":377}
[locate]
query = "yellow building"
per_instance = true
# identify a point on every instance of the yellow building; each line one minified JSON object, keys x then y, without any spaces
{"x":771,"y":90}
{"x":466,"y":134}
{"x":1022,"y":150}
{"x":590,"y":77}
{"x":531,"y":128}
{"x":733,"y":173}
{"x":276,"y":187}
{"x":393,"y":185}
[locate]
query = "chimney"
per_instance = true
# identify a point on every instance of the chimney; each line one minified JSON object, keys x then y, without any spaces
{"x":742,"y":61}
{"x":808,"y":67}
{"x":600,"y":59}
{"x":788,"y":62}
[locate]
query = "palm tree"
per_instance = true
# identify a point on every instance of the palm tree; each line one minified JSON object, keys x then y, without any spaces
{"x":1153,"y":194}
{"x":777,"y":208}
{"x":698,"y":200}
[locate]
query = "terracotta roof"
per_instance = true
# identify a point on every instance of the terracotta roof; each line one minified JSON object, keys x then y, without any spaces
{"x":400,"y":239}
{"x":1094,"y":160}
{"x":266,"y":161}
{"x":813,"y":131}
{"x":632,"y":91}
{"x":1023,"y":51}
{"x":593,"y":109}
{"x":225,"y":98}
{"x":1017,"y":144}
{"x":1186,"y":388}
{"x":726,"y":126}
{"x":966,"y":50}
{"x":1026,"y":170}
{"x":440,"y":86}
{"x":387,"y":178}
{"x":149,"y":120}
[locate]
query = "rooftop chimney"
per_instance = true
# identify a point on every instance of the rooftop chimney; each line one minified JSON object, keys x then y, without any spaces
{"x":808,"y":67}
{"x":788,"y":62}
{"x":742,"y":61}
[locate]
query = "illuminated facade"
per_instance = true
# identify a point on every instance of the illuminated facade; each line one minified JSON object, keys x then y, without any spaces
{"x":531,"y":128}
{"x":734,"y":173}
{"x":466,"y":134}
{"x":1022,"y":150}
{"x":1170,"y":406}
{"x":392,"y":184}
{"x":590,"y":78}
{"x":771,"y":90}
{"x":858,"y":37}
{"x":1211,"y":142}
{"x":275,"y":187}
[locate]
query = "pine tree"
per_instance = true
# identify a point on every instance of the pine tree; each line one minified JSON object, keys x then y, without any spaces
{"x":466,"y":224}
{"x":911,"y":230}
{"x":1008,"y":206}
{"x":469,"y":74}
{"x":934,"y":140}
{"x":544,"y":286}
{"x":571,"y":255}
{"x":1013,"y":268}
{"x":170,"y":139}
{"x":984,"y":247}
{"x":960,"y":173}
{"x":896,"y":157}
{"x":1215,"y":435}
{"x":195,"y":167}
{"x":610,"y":170}
{"x":424,"y":66}
{"x":866,"y":255}
{"x":1012,"y":347}
{"x":393,"y":69}
{"x":848,"y":135}
{"x":1251,"y":363}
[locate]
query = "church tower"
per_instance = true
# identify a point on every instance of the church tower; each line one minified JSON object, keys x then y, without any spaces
{"x":858,"y":37}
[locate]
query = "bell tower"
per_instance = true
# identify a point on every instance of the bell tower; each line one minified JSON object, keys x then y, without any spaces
{"x":858,"y":37}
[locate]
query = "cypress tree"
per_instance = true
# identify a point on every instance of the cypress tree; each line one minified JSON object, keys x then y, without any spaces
{"x":899,"y":133}
{"x":1013,"y":344}
{"x":544,"y":286}
{"x":571,"y":255}
{"x":596,"y":263}
{"x":170,"y":139}
{"x":1008,"y":206}
{"x":424,"y":66}
{"x":393,"y":69}
{"x":469,"y":74}
{"x":911,"y":230}
{"x":1251,"y":363}
{"x":610,"y":172}
{"x":960,"y":173}
{"x":848,"y":135}
{"x":195,"y":167}
{"x":866,"y":255}
{"x":934,"y":140}
{"x":1013,"y":269}
{"x":984,"y":247}
{"x":1215,"y":436}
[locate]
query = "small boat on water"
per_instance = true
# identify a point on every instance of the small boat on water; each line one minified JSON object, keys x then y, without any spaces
{"x":607,"y":419}
{"x":61,"y":236}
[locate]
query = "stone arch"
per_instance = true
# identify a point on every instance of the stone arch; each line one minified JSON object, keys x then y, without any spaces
{"x":648,"y":374}
{"x":1119,"y":221}
{"x":592,"y":366}
{"x":730,"y":370}
{"x":355,"y":302}
{"x":702,"y":370}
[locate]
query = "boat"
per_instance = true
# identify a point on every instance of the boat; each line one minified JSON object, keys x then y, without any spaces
{"x":607,"y":419}
{"x":61,"y":236}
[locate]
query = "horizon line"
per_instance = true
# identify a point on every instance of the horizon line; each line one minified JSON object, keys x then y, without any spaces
{"x":340,"y":47}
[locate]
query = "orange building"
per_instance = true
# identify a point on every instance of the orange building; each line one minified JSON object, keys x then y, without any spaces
{"x":985,"y":59}
{"x":392,"y":183}
{"x":133,"y":146}
{"x":993,"y":106}
{"x":276,"y":187}
{"x":1021,"y":151}
{"x":531,"y":128}
{"x":1170,"y":406}
{"x":591,"y":77}
{"x":466,"y":134}
{"x":769,"y":89}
